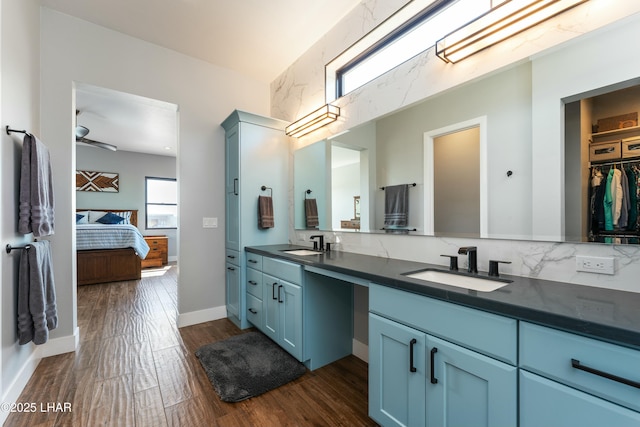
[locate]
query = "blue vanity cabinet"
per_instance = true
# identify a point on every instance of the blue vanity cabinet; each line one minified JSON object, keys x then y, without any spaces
{"x":578,"y":380}
{"x":232,"y":282}
{"x":256,"y":155}
{"x":464,"y":363}
{"x":282,"y":304}
{"x":397,"y":373}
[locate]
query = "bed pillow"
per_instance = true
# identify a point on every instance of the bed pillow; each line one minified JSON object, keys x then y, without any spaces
{"x":110,"y":218}
{"x":126,"y":215}
{"x":94,"y":216}
{"x":82,"y":217}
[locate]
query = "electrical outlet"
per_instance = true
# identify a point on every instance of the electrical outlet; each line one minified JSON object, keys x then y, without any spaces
{"x":209,"y":222}
{"x":594,"y":264}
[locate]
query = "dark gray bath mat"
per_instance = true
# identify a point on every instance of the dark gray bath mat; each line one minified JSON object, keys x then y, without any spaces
{"x":247,"y":365}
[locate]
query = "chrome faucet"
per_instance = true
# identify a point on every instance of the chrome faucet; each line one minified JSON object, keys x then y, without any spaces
{"x":472,"y":252}
{"x":318,"y":245}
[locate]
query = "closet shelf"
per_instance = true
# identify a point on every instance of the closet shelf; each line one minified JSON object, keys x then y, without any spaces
{"x":615,"y":131}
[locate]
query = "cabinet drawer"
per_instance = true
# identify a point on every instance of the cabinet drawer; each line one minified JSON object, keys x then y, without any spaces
{"x":232,"y":256}
{"x":253,"y":260}
{"x":487,"y":333}
{"x":254,"y":282}
{"x":604,"y":151}
{"x":631,"y":147}
{"x":254,"y":311}
{"x":550,"y":352}
{"x":283,"y":270}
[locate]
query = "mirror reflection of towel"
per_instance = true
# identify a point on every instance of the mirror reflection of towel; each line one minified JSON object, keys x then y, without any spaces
{"x":396,"y":205}
{"x":311,"y":213}
{"x":265,"y":212}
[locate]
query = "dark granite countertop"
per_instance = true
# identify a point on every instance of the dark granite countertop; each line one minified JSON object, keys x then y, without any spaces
{"x":605,"y":314}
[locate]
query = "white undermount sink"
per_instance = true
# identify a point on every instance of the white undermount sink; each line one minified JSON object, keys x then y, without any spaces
{"x":459,"y":280}
{"x":301,"y":252}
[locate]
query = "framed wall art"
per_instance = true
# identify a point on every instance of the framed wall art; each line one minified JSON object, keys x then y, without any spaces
{"x":107,"y":182}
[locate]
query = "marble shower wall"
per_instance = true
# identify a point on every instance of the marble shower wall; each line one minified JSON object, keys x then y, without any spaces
{"x":300,"y":89}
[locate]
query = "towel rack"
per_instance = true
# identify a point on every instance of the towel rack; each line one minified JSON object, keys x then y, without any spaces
{"x":265,"y":188}
{"x":413,"y":184}
{"x":10,"y":131}
{"x":9,"y":248}
{"x":307,"y":192}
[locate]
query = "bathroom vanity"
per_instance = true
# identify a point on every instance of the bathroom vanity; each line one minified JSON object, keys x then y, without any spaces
{"x":533,"y":352}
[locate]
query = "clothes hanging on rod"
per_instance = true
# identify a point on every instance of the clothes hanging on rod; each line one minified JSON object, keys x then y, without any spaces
{"x":614,"y":195}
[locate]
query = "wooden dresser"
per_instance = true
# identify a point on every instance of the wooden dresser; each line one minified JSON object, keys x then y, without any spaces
{"x":158,"y":248}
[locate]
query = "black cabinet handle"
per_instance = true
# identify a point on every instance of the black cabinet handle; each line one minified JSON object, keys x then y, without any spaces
{"x":231,"y":269}
{"x":231,"y":256}
{"x":279,"y":287}
{"x":411,"y":344}
{"x":576,"y":364}
{"x":253,"y":261}
{"x":252,"y":282}
{"x":273,"y":291}
{"x":235,"y":186}
{"x":434,"y":380}
{"x":253,"y":311}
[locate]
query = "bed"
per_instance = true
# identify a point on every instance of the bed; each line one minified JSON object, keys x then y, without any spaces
{"x":108,"y":252}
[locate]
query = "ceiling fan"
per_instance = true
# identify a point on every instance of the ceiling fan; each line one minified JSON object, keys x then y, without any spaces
{"x":82,"y":132}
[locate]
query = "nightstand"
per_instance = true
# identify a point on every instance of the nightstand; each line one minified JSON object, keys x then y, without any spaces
{"x":158,"y":248}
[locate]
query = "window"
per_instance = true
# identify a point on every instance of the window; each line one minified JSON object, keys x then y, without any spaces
{"x":400,"y":38}
{"x":161,"y":195}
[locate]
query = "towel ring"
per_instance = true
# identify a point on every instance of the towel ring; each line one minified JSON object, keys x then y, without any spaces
{"x":305,"y":194}
{"x":264,"y":188}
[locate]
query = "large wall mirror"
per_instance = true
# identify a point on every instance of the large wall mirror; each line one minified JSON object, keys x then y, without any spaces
{"x":468,"y":159}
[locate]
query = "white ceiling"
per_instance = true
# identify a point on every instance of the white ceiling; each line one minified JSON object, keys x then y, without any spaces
{"x":258,"y":38}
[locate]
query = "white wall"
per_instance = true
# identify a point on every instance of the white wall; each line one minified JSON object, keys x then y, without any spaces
{"x":132,"y":169}
{"x":426,"y":76}
{"x":20,"y":99}
{"x":77,"y":51}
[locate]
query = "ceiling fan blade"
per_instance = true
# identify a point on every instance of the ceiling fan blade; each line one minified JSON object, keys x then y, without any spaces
{"x":98,"y":144}
{"x":81,"y":131}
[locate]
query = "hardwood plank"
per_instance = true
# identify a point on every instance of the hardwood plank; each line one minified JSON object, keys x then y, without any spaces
{"x":112,"y":403}
{"x":177,"y":382}
{"x":115,"y":358}
{"x":149,"y":409}
{"x":144,"y":369}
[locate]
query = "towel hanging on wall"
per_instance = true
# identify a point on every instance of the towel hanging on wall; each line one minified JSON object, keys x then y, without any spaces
{"x":265,"y":212}
{"x":36,"y":189}
{"x":396,"y":205}
{"x":37,"y":312}
{"x":311,"y":213}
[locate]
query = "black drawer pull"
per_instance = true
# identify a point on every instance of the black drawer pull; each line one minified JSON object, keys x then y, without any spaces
{"x":231,"y":256}
{"x":411,"y":344}
{"x":231,"y":269}
{"x":253,"y":261}
{"x":253,"y":311}
{"x":273,"y":291}
{"x":279,"y":287}
{"x":252,"y":282}
{"x":576,"y":364}
{"x":434,"y":380}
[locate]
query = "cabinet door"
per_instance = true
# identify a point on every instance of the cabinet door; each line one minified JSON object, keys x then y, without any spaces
{"x":232,"y":185}
{"x":271,"y":306}
{"x":290,"y":301}
{"x":465,"y":388}
{"x":233,"y":290}
{"x":396,"y":386}
{"x":547,"y":403}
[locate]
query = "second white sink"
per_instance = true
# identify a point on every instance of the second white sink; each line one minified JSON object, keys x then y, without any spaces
{"x":302,"y":252}
{"x":458,"y":280}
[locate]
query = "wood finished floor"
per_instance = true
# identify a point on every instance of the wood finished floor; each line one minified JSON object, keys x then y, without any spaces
{"x":134,"y":367}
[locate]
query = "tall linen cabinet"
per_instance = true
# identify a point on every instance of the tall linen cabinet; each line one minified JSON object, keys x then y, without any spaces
{"x":257,"y":157}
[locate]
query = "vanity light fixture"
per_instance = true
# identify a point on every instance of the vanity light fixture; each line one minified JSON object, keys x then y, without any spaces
{"x":500,"y":23}
{"x":322,"y":116}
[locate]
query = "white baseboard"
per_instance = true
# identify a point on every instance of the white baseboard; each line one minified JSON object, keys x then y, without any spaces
{"x":360,"y":350}
{"x":61,"y":345}
{"x":201,"y":316}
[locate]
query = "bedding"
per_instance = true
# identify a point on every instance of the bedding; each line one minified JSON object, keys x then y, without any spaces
{"x":110,"y":236}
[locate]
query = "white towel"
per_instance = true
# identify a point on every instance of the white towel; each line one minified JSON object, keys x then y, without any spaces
{"x":37,"y":312}
{"x":36,"y":189}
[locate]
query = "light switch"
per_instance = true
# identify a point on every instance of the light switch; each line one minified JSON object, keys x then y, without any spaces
{"x":209,"y":222}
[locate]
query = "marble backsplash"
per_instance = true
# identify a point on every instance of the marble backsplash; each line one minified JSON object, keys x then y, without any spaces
{"x":535,"y":259}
